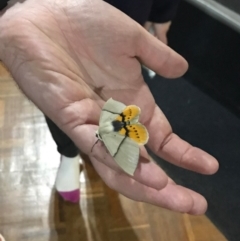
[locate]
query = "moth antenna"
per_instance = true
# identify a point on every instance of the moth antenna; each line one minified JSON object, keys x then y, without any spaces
{"x":94,"y":144}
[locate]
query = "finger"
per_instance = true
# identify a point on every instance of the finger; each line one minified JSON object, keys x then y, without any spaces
{"x":88,"y":111}
{"x":175,"y":150}
{"x":162,"y":27}
{"x":147,"y":172}
{"x":172,"y":197}
{"x":161,"y":30}
{"x":163,"y":37}
{"x":197,"y":208}
{"x":170,"y":180}
{"x":148,"y":25}
{"x":159,"y":57}
{"x":199,"y":202}
{"x":181,"y":153}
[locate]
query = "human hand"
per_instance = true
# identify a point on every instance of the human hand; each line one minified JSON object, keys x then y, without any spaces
{"x":69,"y":57}
{"x":159,"y":30}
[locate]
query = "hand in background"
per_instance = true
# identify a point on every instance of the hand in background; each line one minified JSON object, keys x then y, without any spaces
{"x":69,"y":57}
{"x":159,"y":30}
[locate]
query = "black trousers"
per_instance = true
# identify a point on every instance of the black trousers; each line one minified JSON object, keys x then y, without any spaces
{"x":65,"y":145}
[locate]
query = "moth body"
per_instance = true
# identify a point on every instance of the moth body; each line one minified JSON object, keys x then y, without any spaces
{"x":122,"y":134}
{"x":106,"y":128}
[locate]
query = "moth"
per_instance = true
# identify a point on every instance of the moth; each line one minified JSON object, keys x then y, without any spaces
{"x":122,"y":134}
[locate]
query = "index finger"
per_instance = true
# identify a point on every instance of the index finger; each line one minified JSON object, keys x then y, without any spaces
{"x":159,"y":57}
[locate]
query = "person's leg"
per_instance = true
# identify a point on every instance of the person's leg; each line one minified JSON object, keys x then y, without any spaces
{"x":65,"y":145}
{"x":67,"y":180}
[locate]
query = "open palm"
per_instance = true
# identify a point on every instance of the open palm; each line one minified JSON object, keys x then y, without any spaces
{"x":69,"y":57}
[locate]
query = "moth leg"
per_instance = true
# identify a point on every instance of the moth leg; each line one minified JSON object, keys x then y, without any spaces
{"x":94,"y":144}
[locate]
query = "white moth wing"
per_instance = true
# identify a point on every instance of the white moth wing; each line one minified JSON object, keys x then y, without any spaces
{"x":112,"y":141}
{"x":111,"y":106}
{"x":128,"y":155}
{"x":124,"y":151}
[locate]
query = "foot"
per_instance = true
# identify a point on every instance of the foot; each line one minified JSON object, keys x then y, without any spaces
{"x":67,"y":181}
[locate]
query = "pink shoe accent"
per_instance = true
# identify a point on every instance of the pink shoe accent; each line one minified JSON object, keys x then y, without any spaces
{"x":72,"y":196}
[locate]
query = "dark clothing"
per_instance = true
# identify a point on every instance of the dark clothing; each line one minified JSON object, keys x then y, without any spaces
{"x":158,"y":11}
{"x":3,"y":4}
{"x":65,"y":146}
{"x":163,"y":11}
{"x":138,"y":10}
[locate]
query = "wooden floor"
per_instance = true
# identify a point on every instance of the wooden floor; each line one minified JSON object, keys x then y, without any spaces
{"x":30,"y":209}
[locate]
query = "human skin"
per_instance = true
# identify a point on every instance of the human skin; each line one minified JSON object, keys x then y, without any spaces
{"x":69,"y":57}
{"x":159,"y":30}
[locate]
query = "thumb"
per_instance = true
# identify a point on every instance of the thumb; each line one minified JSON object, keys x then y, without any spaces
{"x":159,"y":57}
